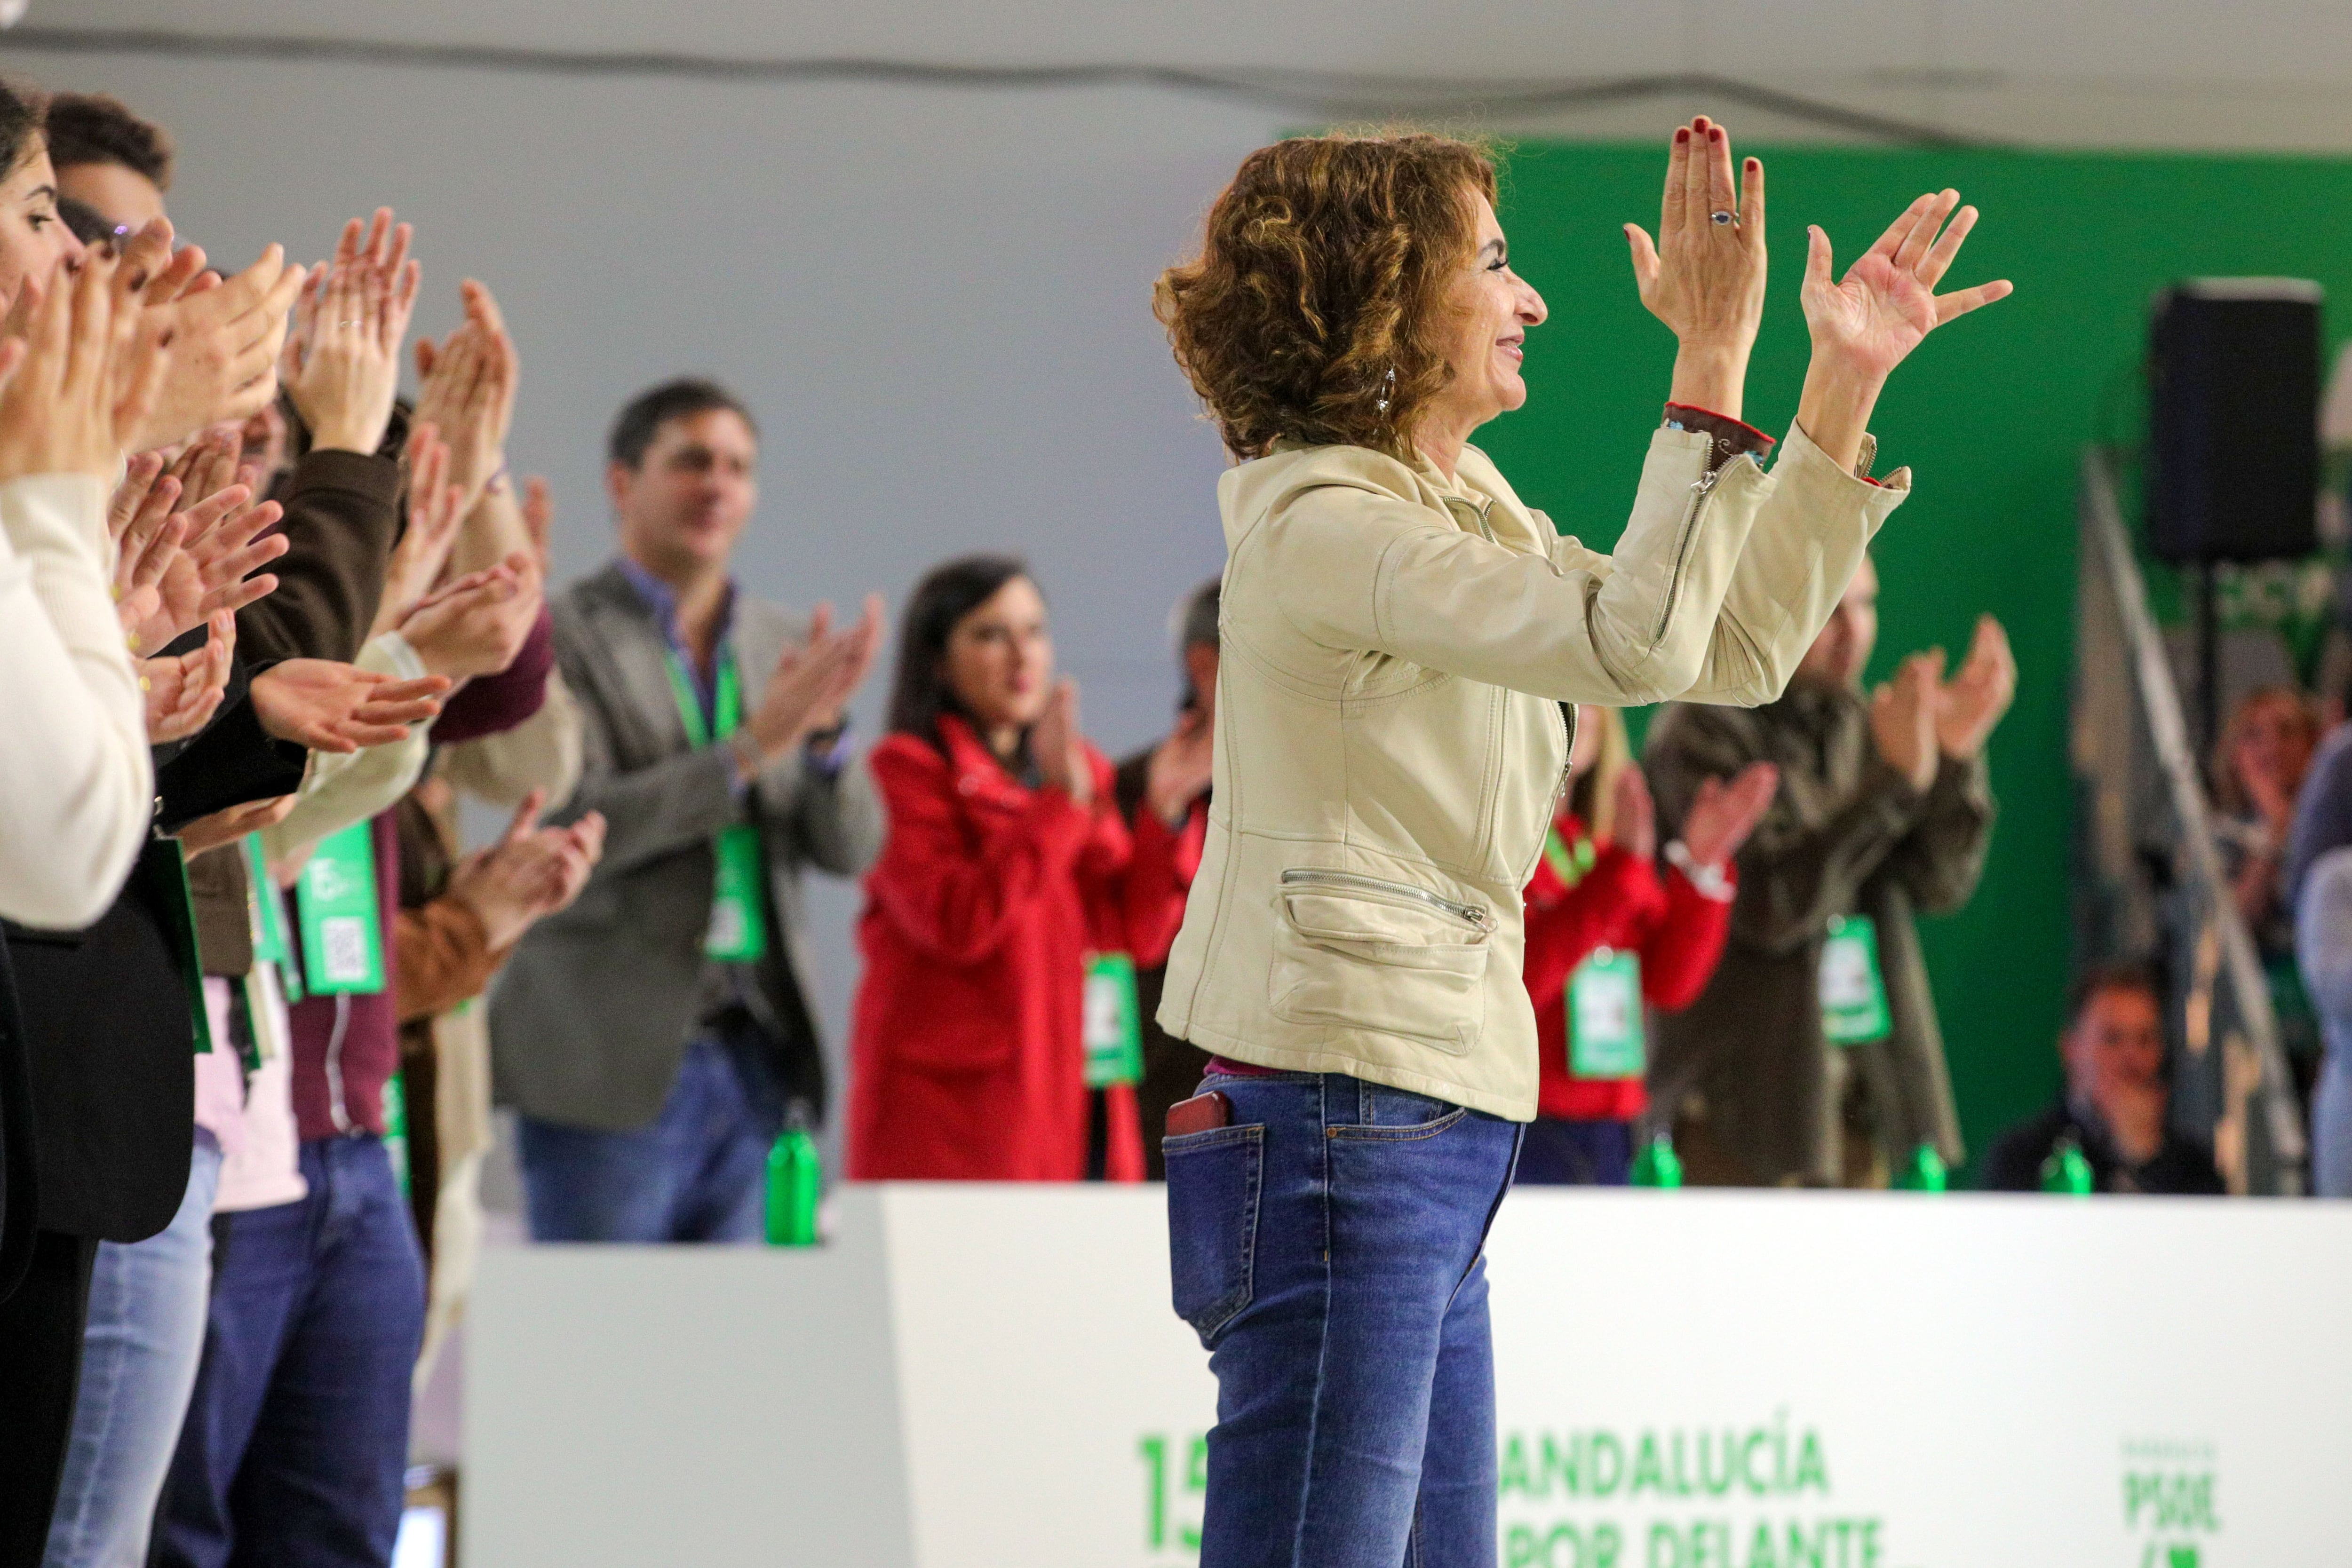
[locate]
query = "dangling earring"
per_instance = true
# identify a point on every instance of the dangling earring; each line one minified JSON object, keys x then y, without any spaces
{"x":1388,"y":391}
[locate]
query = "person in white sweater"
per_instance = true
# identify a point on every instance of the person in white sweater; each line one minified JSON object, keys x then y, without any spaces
{"x":76,"y":783}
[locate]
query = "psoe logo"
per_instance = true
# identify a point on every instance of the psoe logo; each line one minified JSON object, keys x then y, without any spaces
{"x":2171,"y":1497}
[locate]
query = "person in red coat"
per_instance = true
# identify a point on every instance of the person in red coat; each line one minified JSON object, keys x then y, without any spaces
{"x":1609,"y":933}
{"x":1006,"y":878}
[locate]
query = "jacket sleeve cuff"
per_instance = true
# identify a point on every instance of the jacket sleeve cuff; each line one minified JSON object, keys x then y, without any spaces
{"x":363,"y":474}
{"x":1731,"y":436}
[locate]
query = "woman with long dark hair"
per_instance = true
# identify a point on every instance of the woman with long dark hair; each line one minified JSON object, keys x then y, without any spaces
{"x":998,"y":916}
{"x":1398,"y":632}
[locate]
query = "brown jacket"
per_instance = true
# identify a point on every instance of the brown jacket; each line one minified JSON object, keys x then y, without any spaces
{"x":1846,"y":834}
{"x":341,"y":513}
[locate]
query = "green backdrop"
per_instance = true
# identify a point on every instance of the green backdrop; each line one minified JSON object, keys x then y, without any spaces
{"x":1990,"y":415}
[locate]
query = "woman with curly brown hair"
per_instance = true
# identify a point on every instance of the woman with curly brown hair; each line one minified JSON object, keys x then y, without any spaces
{"x":1399,"y":632}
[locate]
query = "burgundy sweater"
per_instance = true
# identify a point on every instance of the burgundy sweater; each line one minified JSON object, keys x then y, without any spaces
{"x":346,"y":1048}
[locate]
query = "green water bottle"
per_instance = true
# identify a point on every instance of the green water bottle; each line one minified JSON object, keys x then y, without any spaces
{"x":2066,"y":1171}
{"x":1924,"y":1172}
{"x":1657,"y":1165}
{"x":795,"y":1181}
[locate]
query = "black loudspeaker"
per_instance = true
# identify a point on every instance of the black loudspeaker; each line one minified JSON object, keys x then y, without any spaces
{"x":2233,"y":420}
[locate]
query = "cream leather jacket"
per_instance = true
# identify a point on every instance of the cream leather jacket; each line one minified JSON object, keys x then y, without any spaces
{"x":1390,"y":744}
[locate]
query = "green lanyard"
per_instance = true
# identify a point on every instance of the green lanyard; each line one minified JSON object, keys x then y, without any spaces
{"x":265,"y":917}
{"x":739,"y":919}
{"x":1569,"y":864}
{"x":164,"y":874}
{"x":1113,"y":1021}
{"x":342,"y":928}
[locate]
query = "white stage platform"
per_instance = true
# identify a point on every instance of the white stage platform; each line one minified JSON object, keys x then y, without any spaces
{"x":990,"y":1377}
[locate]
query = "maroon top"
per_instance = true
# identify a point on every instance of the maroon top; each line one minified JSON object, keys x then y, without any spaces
{"x":346,"y":1048}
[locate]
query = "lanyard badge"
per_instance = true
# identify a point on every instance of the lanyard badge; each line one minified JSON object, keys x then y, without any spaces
{"x":342,"y":927}
{"x":1604,"y":1015}
{"x":1853,"y":992}
{"x":738,"y":910}
{"x":1113,"y":1021}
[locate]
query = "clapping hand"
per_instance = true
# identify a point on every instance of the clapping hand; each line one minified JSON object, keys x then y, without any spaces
{"x":1180,"y":768}
{"x":1722,"y":815}
{"x":200,"y":556}
{"x":184,"y":691}
{"x":1887,"y":303}
{"x":467,"y":388}
{"x":1634,"y":815}
{"x":224,"y":336}
{"x":810,"y":685}
{"x":1704,"y":276}
{"x":225,"y":827}
{"x":76,"y":375}
{"x":1055,"y":742}
{"x":344,"y":368}
{"x":529,"y":873}
{"x":327,"y":707}
{"x":1973,"y":701}
{"x":1903,"y":717}
{"x":477,"y":625}
{"x":435,"y":510}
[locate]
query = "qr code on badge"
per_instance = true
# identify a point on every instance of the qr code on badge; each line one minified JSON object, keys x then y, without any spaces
{"x":345,"y":938}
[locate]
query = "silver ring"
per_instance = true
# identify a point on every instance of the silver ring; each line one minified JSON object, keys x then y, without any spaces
{"x":1720,"y":218}
{"x":347,"y":323}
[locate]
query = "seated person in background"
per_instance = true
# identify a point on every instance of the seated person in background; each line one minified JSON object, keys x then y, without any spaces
{"x":1652,"y":938}
{"x":1163,"y":796}
{"x":1813,"y":1058}
{"x":2323,"y":938}
{"x":1006,"y":868}
{"x":2115,"y":1098}
{"x":2264,"y":751}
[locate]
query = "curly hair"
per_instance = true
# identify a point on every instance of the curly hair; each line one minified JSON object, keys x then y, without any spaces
{"x":1320,"y":289}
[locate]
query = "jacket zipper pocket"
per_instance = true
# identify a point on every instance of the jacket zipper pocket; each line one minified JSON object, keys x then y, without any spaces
{"x":1469,"y":915}
{"x":1701,"y":488}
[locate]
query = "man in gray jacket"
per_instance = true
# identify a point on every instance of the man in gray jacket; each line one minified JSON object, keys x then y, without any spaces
{"x":1813,"y":1057}
{"x":655,"y":1036}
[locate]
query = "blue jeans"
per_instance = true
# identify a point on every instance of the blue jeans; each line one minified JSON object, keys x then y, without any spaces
{"x":1327,"y":1249}
{"x":1560,"y":1153}
{"x":2331,"y":1126}
{"x":139,"y":1354}
{"x":696,"y":1174}
{"x":296,"y":1445}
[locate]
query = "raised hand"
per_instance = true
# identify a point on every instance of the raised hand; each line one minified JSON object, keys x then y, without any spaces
{"x":476,"y":625}
{"x":1974,"y":700}
{"x":346,"y":371}
{"x":224,"y":340}
{"x":184,"y":691}
{"x":328,"y":706}
{"x":1887,"y":303}
{"x":805,"y":692}
{"x":1722,"y":815}
{"x":435,"y":510}
{"x":468,"y":391}
{"x":209,"y":553}
{"x":1635,"y":829}
{"x":1704,"y":278}
{"x":82,"y":378}
{"x":1055,"y":742}
{"x":1180,"y":768}
{"x":1903,"y":717}
{"x":529,"y":873}
{"x":226,"y":827}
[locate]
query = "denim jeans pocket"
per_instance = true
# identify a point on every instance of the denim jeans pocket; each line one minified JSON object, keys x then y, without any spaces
{"x":1397,"y":1116}
{"x":1213,"y":1189}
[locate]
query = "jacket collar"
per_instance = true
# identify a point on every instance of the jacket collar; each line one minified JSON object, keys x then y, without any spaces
{"x":979,"y":772}
{"x":1480,"y":501}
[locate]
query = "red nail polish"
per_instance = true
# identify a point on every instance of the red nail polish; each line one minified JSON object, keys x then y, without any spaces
{"x":1683,"y":135}
{"x":1716,"y":134}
